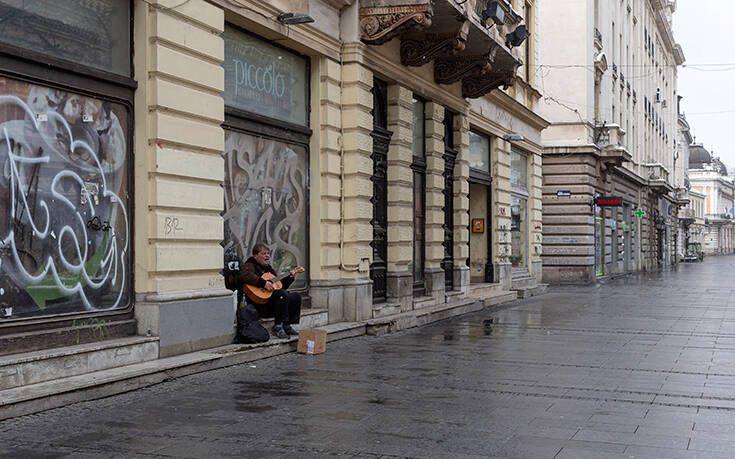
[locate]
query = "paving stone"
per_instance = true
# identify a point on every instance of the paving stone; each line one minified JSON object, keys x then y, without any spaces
{"x":581,"y":372}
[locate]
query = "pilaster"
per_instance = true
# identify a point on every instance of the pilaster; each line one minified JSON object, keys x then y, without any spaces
{"x":326,"y":204}
{"x":434,"y":232}
{"x":535,"y":214}
{"x":461,"y":202}
{"x":179,"y":169}
{"x":179,"y":144}
{"x":400,"y":196}
{"x":500,"y":158}
{"x":357,"y":166}
{"x":346,"y":190}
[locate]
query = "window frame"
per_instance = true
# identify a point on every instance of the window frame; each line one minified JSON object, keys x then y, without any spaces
{"x":36,"y":68}
{"x":268,"y":119}
{"x":36,"y":64}
{"x":479,"y":175}
{"x":250,"y":123}
{"x":418,"y":166}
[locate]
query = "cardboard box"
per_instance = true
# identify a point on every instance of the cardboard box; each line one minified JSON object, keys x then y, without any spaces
{"x":312,"y":341}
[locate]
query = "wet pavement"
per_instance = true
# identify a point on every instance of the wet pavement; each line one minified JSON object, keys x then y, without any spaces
{"x":637,"y":367}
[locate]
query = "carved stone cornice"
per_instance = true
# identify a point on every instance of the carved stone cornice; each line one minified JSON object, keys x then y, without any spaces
{"x":380,"y":24}
{"x":480,"y":84}
{"x":461,"y":48}
{"x":418,"y":51}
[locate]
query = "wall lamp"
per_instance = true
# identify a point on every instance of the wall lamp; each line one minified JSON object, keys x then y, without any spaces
{"x":517,"y":37}
{"x":494,"y":12}
{"x":513,"y":138}
{"x":294,"y":18}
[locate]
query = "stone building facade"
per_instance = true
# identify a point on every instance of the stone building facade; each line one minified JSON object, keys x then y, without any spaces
{"x":687,"y":214}
{"x":708,"y":176}
{"x":693,"y":220}
{"x":609,"y":82}
{"x":391,"y":150}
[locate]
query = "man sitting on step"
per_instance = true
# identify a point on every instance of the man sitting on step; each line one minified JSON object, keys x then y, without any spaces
{"x":284,"y":306}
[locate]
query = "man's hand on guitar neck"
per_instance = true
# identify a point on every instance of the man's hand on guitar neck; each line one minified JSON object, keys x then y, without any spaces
{"x":293,"y":272}
{"x":269,"y":286}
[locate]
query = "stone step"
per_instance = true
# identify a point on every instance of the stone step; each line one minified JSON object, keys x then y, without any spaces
{"x":35,"y":367}
{"x":500,"y":298}
{"x":522,"y":282}
{"x":484,"y":290}
{"x":385,"y":309}
{"x":528,"y":292}
{"x":423,"y":302}
{"x":19,"y":401}
{"x":310,"y":318}
{"x":423,"y":316}
{"x":71,"y":332}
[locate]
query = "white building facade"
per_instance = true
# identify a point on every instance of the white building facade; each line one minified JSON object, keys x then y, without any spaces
{"x":608,"y":79}
{"x":708,"y":177}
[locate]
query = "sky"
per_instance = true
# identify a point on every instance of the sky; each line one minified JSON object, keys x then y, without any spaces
{"x":704,"y":29}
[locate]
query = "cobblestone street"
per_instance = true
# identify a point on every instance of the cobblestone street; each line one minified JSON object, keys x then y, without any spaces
{"x":637,"y":367}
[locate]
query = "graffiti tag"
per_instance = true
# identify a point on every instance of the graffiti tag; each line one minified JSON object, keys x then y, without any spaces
{"x":97,"y":328}
{"x":171,"y":225}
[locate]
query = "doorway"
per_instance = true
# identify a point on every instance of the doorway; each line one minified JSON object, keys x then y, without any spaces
{"x":381,"y":141}
{"x":480,"y":261}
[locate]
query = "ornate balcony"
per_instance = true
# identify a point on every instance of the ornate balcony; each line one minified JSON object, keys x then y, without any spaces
{"x":687,"y":213}
{"x":658,"y":177}
{"x":452,"y":34}
{"x":610,"y":140}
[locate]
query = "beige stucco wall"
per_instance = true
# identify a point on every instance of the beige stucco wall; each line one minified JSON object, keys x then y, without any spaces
{"x":179,"y":143}
{"x":178,"y":146}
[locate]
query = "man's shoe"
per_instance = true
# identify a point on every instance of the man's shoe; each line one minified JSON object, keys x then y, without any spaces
{"x":290,"y":330}
{"x":279,"y":332}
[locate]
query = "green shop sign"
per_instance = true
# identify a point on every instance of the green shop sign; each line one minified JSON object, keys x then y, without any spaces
{"x":264,"y":79}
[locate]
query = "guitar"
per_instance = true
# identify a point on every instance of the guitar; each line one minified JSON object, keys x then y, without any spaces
{"x":260,"y":295}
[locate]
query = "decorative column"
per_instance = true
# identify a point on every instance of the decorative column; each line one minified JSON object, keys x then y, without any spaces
{"x":344,"y":286}
{"x":535,"y":215}
{"x":434,"y":232}
{"x":357,"y":167}
{"x":179,"y":169}
{"x":326,"y":199}
{"x":461,"y":203}
{"x":400,"y":198}
{"x":500,"y":154}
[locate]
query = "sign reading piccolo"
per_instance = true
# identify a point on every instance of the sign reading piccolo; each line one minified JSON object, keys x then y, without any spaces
{"x":609,"y":201}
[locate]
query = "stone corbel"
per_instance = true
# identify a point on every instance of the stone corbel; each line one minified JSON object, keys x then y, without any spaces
{"x":451,"y":69}
{"x":478,"y":85}
{"x":420,"y":50}
{"x":379,"y":24}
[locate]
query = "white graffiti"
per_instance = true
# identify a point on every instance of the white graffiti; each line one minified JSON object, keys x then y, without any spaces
{"x":67,"y":132}
{"x":265,"y":198}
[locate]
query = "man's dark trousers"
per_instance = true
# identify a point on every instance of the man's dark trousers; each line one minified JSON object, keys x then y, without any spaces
{"x":284,"y":306}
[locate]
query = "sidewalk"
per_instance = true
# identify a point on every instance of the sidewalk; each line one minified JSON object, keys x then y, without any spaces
{"x":643,"y":366}
{"x":41,"y":380}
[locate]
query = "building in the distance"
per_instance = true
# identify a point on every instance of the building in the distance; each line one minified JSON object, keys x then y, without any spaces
{"x":708,"y":176}
{"x":608,"y":77}
{"x":692,"y":220}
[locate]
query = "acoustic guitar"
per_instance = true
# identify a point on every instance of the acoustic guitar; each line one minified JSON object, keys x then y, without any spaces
{"x":260,"y":295}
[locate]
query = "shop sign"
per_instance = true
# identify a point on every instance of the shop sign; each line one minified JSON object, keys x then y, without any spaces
{"x":478,"y":225}
{"x":264,"y":79}
{"x":608,"y":201}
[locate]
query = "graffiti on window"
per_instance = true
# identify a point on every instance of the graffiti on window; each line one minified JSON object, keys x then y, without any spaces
{"x":265,"y":199}
{"x":64,"y":230}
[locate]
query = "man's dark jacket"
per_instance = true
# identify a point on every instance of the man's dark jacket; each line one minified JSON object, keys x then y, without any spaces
{"x":251,"y":270}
